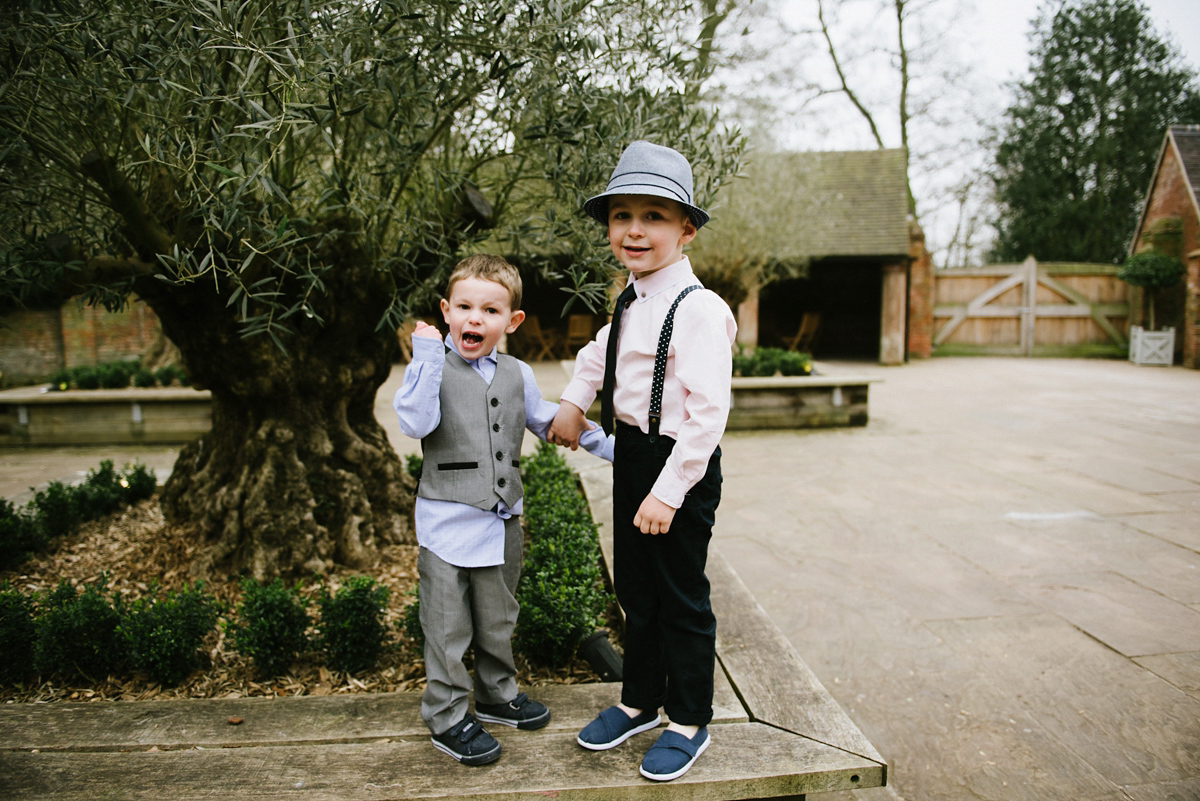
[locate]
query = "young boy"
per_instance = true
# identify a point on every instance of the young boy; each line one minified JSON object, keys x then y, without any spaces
{"x":663,"y":368}
{"x":470,"y":405}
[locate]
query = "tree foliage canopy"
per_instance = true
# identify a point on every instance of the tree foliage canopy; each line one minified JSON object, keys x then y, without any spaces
{"x":285,"y":181}
{"x":1078,"y":146}
{"x":247,"y":143}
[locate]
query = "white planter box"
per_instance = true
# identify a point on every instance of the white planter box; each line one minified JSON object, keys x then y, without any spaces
{"x":1151,"y":347}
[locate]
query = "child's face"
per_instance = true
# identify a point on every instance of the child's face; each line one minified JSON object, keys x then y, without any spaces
{"x":479,"y":312}
{"x":647,"y":233}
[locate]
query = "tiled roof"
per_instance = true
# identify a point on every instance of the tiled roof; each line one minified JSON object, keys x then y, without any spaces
{"x":1187,"y":143}
{"x":846,"y":203}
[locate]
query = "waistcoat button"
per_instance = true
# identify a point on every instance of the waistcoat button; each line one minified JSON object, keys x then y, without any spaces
{"x":495,"y":401}
{"x":495,"y":426}
{"x":499,"y":456}
{"x":500,"y":482}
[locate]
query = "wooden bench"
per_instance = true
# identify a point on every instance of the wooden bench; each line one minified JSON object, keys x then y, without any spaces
{"x":777,"y":733}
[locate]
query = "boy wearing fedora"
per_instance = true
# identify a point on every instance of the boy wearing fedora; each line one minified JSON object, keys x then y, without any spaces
{"x":662,"y":368}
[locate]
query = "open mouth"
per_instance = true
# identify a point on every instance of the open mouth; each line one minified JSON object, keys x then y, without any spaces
{"x":472,"y":338}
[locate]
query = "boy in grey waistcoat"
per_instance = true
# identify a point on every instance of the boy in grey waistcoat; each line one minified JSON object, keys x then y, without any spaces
{"x":470,"y":406}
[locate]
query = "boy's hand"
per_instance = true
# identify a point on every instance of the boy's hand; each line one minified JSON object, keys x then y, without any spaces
{"x":568,"y":424}
{"x":654,"y":516}
{"x":424,"y":329}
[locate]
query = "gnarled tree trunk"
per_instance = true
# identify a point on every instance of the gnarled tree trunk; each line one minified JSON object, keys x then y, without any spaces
{"x":296,"y":473}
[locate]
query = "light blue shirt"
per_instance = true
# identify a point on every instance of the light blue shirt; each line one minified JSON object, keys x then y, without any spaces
{"x":461,"y":534}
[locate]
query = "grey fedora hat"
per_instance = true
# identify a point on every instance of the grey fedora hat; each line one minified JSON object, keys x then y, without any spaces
{"x":649,"y":169}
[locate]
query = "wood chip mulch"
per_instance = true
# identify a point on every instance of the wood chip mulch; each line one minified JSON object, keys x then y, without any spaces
{"x":136,"y":550}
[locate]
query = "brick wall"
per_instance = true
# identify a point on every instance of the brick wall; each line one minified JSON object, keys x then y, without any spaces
{"x":31,"y":346}
{"x":1170,"y":197}
{"x":34,"y":344}
{"x":920,"y":296}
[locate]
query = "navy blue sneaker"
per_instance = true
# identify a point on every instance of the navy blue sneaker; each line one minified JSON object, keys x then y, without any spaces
{"x":613,"y":727}
{"x":468,"y":742}
{"x":521,"y":712}
{"x":673,"y":754}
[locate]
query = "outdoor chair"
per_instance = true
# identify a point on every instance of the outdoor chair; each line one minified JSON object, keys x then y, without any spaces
{"x":534,"y":343}
{"x":803,"y":340}
{"x":579,"y":332}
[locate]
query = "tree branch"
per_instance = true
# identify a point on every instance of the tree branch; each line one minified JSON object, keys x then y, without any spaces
{"x":837,"y":65}
{"x":145,"y":233}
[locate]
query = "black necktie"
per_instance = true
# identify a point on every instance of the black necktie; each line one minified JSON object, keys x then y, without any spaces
{"x":610,"y":360}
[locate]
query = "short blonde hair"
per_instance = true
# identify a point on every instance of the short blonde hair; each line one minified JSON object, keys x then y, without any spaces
{"x":489,"y":268}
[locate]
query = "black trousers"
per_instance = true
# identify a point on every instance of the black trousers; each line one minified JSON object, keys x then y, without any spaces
{"x":670,"y":630}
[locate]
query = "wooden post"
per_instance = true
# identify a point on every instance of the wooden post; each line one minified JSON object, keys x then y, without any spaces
{"x":1029,"y":305}
{"x":894,"y":314}
{"x":747,"y":319}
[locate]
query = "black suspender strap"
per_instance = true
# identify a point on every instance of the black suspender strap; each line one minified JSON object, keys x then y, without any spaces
{"x":660,"y":363}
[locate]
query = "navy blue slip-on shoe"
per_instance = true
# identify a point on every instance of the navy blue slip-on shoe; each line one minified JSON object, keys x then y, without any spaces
{"x":672,"y":755}
{"x":613,"y":727}
{"x":468,"y":742}
{"x":521,"y":712}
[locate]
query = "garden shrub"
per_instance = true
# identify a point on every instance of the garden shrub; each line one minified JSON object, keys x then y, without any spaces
{"x":100,"y":493}
{"x":413,"y":463}
{"x":59,"y":508}
{"x":56,"y":509}
{"x":352,"y":628}
{"x":561,"y":591}
{"x":20,"y":535}
{"x":163,"y":637}
{"x":272,"y":626}
{"x":61,"y":380}
{"x":112,"y":376}
{"x":143,"y":378}
{"x":138,"y":482}
{"x":85,"y":378}
{"x":766,"y":362}
{"x":17,"y":635}
{"x":77,"y":634}
{"x":169,"y":374}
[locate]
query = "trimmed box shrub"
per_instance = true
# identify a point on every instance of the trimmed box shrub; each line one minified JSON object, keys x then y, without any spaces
{"x":272,"y":626}
{"x":77,"y":634}
{"x":17,"y":635}
{"x":352,"y":628}
{"x":163,"y":637}
{"x":561,"y":593}
{"x":20,"y":535}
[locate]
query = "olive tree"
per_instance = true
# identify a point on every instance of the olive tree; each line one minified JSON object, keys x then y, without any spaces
{"x":284,"y":182}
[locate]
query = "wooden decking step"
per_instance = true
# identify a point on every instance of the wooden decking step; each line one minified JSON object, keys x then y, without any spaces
{"x":777,"y":733}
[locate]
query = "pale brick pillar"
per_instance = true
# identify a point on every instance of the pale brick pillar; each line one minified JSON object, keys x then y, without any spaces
{"x":892,"y":335}
{"x":1191,"y":313}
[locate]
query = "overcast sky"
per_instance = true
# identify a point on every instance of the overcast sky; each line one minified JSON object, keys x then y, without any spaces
{"x":1000,"y":28}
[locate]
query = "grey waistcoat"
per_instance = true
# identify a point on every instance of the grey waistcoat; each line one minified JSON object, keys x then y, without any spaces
{"x":474,"y":454}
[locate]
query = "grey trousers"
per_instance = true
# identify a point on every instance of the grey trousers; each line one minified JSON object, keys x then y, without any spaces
{"x":461,"y":607}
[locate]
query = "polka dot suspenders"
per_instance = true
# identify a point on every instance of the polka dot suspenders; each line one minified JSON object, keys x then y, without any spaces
{"x":660,"y":363}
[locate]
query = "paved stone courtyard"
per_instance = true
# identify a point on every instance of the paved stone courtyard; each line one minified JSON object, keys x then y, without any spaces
{"x":998,"y":578}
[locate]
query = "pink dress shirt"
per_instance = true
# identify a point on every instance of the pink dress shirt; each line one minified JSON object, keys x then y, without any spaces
{"x":696,"y":392}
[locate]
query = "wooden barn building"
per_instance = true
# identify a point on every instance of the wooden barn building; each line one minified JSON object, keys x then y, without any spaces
{"x":844,"y":259}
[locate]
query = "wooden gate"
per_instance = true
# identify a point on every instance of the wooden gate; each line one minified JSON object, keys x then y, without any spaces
{"x":1031,"y":308}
